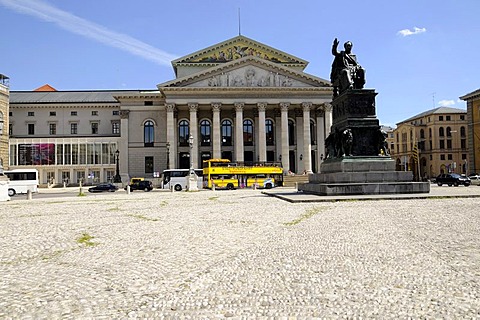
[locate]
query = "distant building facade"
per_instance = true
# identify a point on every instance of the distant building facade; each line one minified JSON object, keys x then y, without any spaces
{"x":239,"y":99}
{"x":4,"y":123}
{"x":440,"y":136}
{"x":473,"y":116}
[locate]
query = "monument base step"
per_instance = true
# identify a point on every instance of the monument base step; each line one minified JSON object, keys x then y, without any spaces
{"x":369,"y":188}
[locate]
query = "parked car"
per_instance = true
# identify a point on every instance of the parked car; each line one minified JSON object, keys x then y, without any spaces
{"x":452,"y":179}
{"x":103,"y":187}
{"x":144,"y":185}
{"x":475,"y":179}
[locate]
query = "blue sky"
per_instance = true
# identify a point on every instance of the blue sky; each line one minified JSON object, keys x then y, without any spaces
{"x":418,"y":54}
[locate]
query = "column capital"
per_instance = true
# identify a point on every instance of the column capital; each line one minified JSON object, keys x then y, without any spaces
{"x":262,"y":106}
{"x":193,"y":107}
{"x":216,"y":106}
{"x":307,"y":106}
{"x":170,"y":107}
{"x":124,"y":114}
{"x":326,"y":107}
{"x":284,"y":106}
{"x":239,"y":106}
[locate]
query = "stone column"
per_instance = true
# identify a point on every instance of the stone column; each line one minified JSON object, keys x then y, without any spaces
{"x":239,"y":132}
{"x":171,"y":129}
{"x":193,"y":107}
{"x":262,"y":138}
{"x":284,"y":134}
{"x":328,"y":118}
{"x":307,"y":147}
{"x":320,"y":114}
{"x":122,"y":146}
{"x":216,"y":134}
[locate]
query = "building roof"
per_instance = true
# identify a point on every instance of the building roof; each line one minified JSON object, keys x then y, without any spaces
{"x":471,"y":95}
{"x":439,"y":110}
{"x":90,"y":96}
{"x":45,"y":87}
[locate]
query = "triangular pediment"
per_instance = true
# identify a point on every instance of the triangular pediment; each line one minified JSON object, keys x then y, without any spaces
{"x":249,"y":71}
{"x":237,"y":48}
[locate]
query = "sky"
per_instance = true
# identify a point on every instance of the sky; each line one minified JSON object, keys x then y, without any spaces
{"x":418,"y":54}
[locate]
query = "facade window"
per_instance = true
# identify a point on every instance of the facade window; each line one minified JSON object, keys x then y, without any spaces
{"x":442,"y":157}
{"x":462,"y":117}
{"x":205,"y":132}
{"x":442,"y":144}
{"x":247,"y":132}
{"x":449,"y":144}
{"x":148,"y":134}
{"x":183,"y":133}
{"x":449,"y":132}
{"x":94,"y":127}
{"x":116,"y":127}
{"x":73,"y":113}
{"x":94,"y":113}
{"x":52,"y":128}
{"x":462,"y":132}
{"x":440,"y":118}
{"x":422,"y":134}
{"x":448,"y":118}
{"x":226,"y":133}
{"x":31,"y":128}
{"x":10,"y":129}
{"x":441,"y":132}
{"x":291,"y":133}
{"x":73,"y":128}
{"x":463,"y":143}
{"x":115,"y":112}
{"x":450,"y":157}
{"x":148,"y":103}
{"x":53,"y":113}
{"x":148,"y":164}
{"x":31,"y":114}
{"x":10,"y":114}
{"x":269,"y":132}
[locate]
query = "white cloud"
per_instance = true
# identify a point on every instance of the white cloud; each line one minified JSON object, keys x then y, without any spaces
{"x":88,"y":29}
{"x":408,"y":32}
{"x":446,"y":103}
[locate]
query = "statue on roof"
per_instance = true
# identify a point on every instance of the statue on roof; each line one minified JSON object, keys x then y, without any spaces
{"x":346,"y":72}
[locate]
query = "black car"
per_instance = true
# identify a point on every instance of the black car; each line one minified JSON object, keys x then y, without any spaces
{"x":103,"y":187}
{"x":144,"y":185}
{"x":453,"y":179}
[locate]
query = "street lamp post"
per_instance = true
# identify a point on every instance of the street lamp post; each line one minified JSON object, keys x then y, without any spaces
{"x":117,"y":178}
{"x":192,"y":178}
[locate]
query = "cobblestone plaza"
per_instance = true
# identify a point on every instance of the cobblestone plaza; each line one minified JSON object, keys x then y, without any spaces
{"x":238,"y":255}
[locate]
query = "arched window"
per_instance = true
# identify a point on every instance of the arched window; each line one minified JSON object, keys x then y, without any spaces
{"x":205,"y":132}
{"x":422,"y":134}
{"x":269,"y":132}
{"x":183,"y":133}
{"x":313,"y":132}
{"x":441,"y":132}
{"x":247,"y":132}
{"x":291,"y":132}
{"x":226,"y":133}
{"x":148,"y":133}
{"x":462,"y":132}
{"x":430,"y":133}
{"x":449,"y":132}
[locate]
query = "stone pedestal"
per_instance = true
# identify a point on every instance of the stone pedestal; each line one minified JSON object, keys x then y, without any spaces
{"x":362,"y":170}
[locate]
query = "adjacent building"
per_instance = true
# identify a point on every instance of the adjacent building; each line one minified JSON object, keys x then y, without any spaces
{"x":432,"y":142}
{"x":473,"y":132}
{"x":239,"y":99}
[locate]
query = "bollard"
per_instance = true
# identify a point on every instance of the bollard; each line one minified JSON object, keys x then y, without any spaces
{"x":171,"y":189}
{"x":296,"y":186}
{"x":64,"y":184}
{"x":128,"y":189}
{"x":254,"y":186}
{"x":29,"y":194}
{"x":213,"y":186}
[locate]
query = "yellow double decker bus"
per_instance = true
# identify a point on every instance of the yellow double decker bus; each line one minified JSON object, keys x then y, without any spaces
{"x":228,"y":175}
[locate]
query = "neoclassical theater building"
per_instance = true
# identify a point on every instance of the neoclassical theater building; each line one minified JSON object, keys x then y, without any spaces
{"x":239,"y":99}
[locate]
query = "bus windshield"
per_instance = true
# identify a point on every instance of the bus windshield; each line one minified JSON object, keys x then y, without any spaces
{"x":22,"y":180}
{"x":224,"y":174}
{"x":178,"y":178}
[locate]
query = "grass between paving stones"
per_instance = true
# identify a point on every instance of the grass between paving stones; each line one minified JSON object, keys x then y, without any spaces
{"x":86,"y":240}
{"x":308,"y":214}
{"x":142,"y":217}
